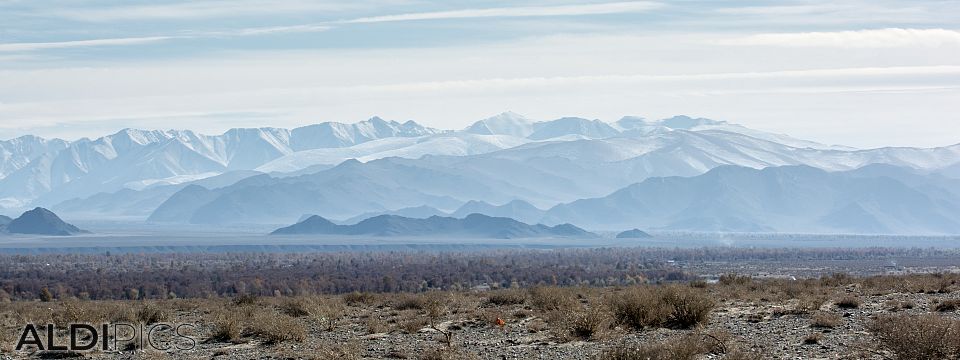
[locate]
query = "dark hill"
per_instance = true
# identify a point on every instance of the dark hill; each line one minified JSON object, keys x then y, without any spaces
{"x":41,"y":221}
{"x":634,"y":234}
{"x":474,"y":225}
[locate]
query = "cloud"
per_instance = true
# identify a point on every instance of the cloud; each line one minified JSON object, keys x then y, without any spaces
{"x":781,"y":9}
{"x":879,"y":38}
{"x":201,"y":10}
{"x":162,"y":11}
{"x":21,"y":47}
{"x":521,"y":11}
{"x":11,"y":47}
{"x":269,"y":30}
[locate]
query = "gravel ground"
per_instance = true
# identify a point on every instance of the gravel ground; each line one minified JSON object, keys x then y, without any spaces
{"x":765,"y":327}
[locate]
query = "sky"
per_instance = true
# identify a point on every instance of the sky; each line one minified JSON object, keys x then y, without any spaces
{"x":866,"y":73}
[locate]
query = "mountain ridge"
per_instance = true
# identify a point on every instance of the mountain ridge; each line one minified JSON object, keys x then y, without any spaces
{"x":475,"y":225}
{"x":775,"y":199}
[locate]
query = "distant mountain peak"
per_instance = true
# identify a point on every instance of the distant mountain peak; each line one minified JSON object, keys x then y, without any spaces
{"x":684,"y":122}
{"x":40,"y":221}
{"x":633,"y":234}
{"x":506,"y":123}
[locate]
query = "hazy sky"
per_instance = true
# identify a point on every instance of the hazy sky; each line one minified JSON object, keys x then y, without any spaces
{"x":863,"y":73}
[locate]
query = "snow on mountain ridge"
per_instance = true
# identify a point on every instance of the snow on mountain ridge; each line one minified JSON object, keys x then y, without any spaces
{"x":109,"y":162}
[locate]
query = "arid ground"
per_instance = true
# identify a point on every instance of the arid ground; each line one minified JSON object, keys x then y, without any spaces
{"x":737,"y":317}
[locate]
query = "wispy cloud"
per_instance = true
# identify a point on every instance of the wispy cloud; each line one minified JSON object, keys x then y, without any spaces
{"x":201,"y":10}
{"x":170,"y":10}
{"x":306,"y":28}
{"x":783,"y":75}
{"x":523,"y":11}
{"x":880,"y":38}
{"x":13,"y":47}
{"x":34,"y":46}
{"x":781,"y":9}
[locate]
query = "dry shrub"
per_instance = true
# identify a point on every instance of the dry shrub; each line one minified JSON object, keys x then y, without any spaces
{"x":296,"y":307}
{"x":582,"y":324}
{"x":825,"y":320}
{"x":413,"y":322}
{"x":349,"y":350}
{"x":436,"y":305}
{"x":245,"y":299}
{"x":639,"y":307}
{"x":811,"y":303}
{"x":123,"y":313}
{"x":274,"y":328}
{"x":151,"y":313}
{"x":670,"y":306}
{"x":690,"y":307}
{"x":407,"y":302}
{"x":685,"y":348}
{"x":848,"y":302}
{"x":327,"y":312}
{"x":227,"y":327}
{"x":552,"y":298}
{"x":75,"y":311}
{"x":357,"y":298}
{"x":918,"y":337}
{"x":375,"y":325}
{"x":507,"y":297}
{"x":947,"y":305}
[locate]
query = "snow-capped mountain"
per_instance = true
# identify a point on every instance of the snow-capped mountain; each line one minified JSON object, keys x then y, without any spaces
{"x":134,"y":159}
{"x":454,"y":144}
{"x":508,"y":123}
{"x":343,"y":171}
{"x":572,"y":126}
{"x":540,"y":173}
{"x":17,"y":153}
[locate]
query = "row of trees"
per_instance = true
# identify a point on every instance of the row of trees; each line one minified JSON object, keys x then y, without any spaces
{"x":137,"y":276}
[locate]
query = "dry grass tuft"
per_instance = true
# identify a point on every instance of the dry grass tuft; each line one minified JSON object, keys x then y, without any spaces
{"x":582,"y":324}
{"x":359,"y":298}
{"x":552,"y":298}
{"x":825,"y":320}
{"x":227,"y":327}
{"x":685,"y":348}
{"x":152,"y":313}
{"x":918,"y":337}
{"x":947,"y":305}
{"x":274,"y":328}
{"x":848,"y":302}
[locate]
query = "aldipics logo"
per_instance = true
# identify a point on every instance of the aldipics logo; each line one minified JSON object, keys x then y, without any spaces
{"x":164,"y":337}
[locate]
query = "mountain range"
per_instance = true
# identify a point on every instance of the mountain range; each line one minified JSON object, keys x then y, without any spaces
{"x":876,"y":199}
{"x":473,"y":225}
{"x":536,"y":170}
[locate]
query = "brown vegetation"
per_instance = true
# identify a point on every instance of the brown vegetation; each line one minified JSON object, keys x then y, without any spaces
{"x":912,"y":337}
